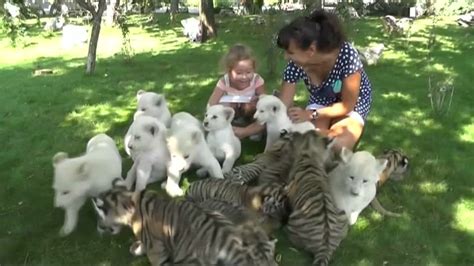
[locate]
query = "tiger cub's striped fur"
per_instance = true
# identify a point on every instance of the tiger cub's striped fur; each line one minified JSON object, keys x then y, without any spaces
{"x":251,"y":227}
{"x":174,"y":232}
{"x":396,"y":169}
{"x":397,"y":166}
{"x":314,"y":224}
{"x":268,"y":167}
{"x":269,"y":171}
{"x":269,"y":200}
{"x":224,"y":190}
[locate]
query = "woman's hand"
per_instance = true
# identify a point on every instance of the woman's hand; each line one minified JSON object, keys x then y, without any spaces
{"x":240,"y":132}
{"x":298,"y":115}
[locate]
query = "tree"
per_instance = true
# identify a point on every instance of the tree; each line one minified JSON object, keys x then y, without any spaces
{"x":174,"y":8}
{"x":206,"y":16}
{"x":111,"y":13}
{"x":55,"y":7}
{"x":96,"y":20}
{"x":2,"y":9}
{"x":313,"y":4}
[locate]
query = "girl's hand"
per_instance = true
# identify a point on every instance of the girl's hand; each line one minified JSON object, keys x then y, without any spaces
{"x":298,"y":115}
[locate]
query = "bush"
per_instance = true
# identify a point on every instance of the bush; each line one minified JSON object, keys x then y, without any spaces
{"x":360,"y":7}
{"x":447,"y":7}
{"x":381,"y":8}
{"x":223,"y":4}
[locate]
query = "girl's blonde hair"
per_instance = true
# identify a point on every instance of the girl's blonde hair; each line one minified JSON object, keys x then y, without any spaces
{"x":236,"y":53}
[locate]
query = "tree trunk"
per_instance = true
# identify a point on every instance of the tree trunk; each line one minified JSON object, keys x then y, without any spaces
{"x":55,"y":7}
{"x":96,"y":21}
{"x":110,"y":18}
{"x":174,"y":9}
{"x":2,"y":9}
{"x":206,"y":16}
{"x":313,"y":4}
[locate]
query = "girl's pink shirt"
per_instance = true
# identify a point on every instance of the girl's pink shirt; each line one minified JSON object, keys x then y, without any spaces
{"x":224,"y":85}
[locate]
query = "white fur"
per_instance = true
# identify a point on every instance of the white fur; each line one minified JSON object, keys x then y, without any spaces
{"x":271,"y":111}
{"x":76,"y":179}
{"x":353,"y":182}
{"x":221,"y":139}
{"x":150,"y":104}
{"x":147,"y":145}
{"x":187,"y":146}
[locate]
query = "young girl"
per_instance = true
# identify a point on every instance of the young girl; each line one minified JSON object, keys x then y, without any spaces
{"x":239,"y":87}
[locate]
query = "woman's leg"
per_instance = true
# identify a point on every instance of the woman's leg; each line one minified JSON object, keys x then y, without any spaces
{"x":347,"y":131}
{"x":322,"y":124}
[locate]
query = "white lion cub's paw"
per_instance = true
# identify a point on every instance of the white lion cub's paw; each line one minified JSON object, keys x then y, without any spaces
{"x":174,"y":190}
{"x":137,"y":248}
{"x":65,"y":231}
{"x":163,"y":184}
{"x":201,"y":172}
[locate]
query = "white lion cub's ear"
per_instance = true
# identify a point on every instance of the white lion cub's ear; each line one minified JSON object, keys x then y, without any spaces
{"x":152,"y":129}
{"x":158,"y":100}
{"x":229,"y":113}
{"x":83,"y":170}
{"x":381,"y":165}
{"x":98,"y":203}
{"x":139,"y":94}
{"x":196,"y":137}
{"x":346,"y":154}
{"x":119,"y":183}
{"x":59,"y":157}
{"x":275,"y":108}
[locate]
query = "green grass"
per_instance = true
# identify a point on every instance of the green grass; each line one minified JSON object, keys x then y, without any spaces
{"x":41,"y":115}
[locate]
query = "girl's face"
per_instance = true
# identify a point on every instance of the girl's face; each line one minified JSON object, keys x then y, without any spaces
{"x":242,"y":72}
{"x":299,"y":56}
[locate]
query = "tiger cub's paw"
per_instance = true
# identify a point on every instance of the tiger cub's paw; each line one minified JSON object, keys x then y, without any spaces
{"x":137,"y":248}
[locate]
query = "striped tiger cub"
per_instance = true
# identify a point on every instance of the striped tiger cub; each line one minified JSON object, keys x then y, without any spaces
{"x":251,"y":226}
{"x":272,"y":165}
{"x":225,"y":190}
{"x":396,"y":169}
{"x":397,"y":166}
{"x":173,"y":232}
{"x":269,"y":200}
{"x":314,"y":224}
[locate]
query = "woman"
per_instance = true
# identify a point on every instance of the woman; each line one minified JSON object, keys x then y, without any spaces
{"x":340,"y":92}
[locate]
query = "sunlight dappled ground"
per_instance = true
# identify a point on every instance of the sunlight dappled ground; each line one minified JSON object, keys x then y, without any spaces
{"x":41,"y":115}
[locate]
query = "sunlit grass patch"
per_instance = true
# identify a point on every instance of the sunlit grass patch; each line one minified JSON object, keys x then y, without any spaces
{"x":41,"y":115}
{"x":464,"y":215}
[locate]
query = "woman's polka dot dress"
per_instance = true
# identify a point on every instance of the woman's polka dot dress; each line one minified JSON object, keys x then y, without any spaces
{"x":329,"y":91}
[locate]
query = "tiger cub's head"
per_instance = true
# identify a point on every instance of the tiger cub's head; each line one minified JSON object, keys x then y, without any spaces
{"x":114,"y":209}
{"x":397,"y":164}
{"x":313,"y":144}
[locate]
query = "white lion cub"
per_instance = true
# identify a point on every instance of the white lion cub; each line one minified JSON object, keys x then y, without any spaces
{"x":353,"y":182}
{"x":153,"y":104}
{"x":147,"y":145}
{"x":150,"y":104}
{"x":187,"y":146}
{"x":76,"y":179}
{"x":272,"y":112}
{"x":221,"y":139}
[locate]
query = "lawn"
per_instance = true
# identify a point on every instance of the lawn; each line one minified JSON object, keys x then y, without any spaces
{"x":41,"y":115}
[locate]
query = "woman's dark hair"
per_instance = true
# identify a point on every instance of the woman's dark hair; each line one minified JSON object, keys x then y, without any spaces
{"x":321,"y":27}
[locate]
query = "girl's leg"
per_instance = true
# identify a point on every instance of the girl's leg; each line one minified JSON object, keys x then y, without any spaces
{"x":248,"y":109}
{"x":347,"y":131}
